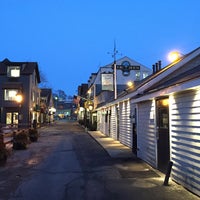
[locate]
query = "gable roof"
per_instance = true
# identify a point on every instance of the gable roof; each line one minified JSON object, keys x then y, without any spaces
{"x":181,"y":75}
{"x":166,"y":71}
{"x":26,"y":67}
{"x":173,"y":74}
{"x":126,"y":58}
{"x":47,"y":93}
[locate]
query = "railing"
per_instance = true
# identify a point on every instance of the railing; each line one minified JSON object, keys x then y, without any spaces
{"x":6,"y":139}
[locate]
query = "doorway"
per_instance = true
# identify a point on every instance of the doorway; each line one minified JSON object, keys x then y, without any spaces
{"x":134,"y":132}
{"x":163,"y":152}
{"x":12,"y":118}
{"x":117,"y":121}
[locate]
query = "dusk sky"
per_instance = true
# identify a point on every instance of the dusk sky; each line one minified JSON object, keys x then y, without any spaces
{"x":70,"y":38}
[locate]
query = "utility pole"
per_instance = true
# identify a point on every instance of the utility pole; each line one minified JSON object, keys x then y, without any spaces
{"x":114,"y":53}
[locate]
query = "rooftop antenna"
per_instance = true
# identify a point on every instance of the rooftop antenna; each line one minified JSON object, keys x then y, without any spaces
{"x":114,"y":54}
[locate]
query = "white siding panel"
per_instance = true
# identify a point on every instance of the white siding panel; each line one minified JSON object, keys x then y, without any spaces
{"x":113,"y":123}
{"x":185,"y":139}
{"x":125,"y":130}
{"x":146,"y":132}
{"x":101,"y":122}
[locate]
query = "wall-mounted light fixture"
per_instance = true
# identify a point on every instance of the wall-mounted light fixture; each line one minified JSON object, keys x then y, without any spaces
{"x":19,"y":97}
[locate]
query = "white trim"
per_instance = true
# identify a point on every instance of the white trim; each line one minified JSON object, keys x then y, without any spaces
{"x":167,"y":91}
{"x":170,"y":70}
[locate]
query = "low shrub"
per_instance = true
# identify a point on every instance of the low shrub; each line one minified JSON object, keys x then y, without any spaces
{"x":33,"y":135}
{"x":20,"y":140}
{"x":3,"y":155}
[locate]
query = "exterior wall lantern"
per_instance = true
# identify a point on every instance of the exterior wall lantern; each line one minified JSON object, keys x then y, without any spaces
{"x":19,"y":97}
{"x":89,"y":105}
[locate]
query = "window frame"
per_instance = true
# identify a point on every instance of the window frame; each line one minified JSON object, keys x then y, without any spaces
{"x":12,"y":68}
{"x":9,"y":97}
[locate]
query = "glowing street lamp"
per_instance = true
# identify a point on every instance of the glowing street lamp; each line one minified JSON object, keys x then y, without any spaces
{"x":174,"y":56}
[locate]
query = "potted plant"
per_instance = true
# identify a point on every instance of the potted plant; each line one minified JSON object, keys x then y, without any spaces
{"x":33,"y":134}
{"x":20,"y":140}
{"x":3,"y":155}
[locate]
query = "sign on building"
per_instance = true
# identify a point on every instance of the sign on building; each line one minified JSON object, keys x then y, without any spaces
{"x":107,"y":81}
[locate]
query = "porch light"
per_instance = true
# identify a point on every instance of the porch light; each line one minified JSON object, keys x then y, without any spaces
{"x":19,"y":97}
{"x":90,"y":107}
{"x":130,"y":84}
{"x":165,"y":102}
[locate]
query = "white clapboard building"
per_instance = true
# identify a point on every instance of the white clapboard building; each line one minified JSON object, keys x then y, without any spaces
{"x":160,"y":119}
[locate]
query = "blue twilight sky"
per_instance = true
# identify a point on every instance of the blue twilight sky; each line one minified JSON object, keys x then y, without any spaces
{"x":70,"y":38}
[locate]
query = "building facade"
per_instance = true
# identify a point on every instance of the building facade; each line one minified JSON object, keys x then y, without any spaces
{"x":102,"y":87}
{"x":19,"y":79}
{"x":159,"y":119}
{"x":46,"y":106}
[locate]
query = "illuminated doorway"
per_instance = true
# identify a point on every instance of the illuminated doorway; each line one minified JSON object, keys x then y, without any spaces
{"x":12,"y":118}
{"x":163,"y":154}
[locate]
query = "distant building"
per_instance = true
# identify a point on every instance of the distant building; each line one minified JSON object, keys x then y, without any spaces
{"x":47,"y":105}
{"x":64,"y":110}
{"x":101,"y":86}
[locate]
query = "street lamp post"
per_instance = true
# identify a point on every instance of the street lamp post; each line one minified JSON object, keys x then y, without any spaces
{"x":89,"y":106}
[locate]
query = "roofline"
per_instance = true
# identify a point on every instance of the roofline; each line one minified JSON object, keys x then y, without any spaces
{"x":158,"y":76}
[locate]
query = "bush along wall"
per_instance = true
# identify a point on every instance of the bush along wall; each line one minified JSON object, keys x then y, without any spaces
{"x":20,"y":140}
{"x":3,"y":151}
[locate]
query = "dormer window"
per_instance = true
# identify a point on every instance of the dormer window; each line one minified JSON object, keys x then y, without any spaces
{"x":13,"y":71}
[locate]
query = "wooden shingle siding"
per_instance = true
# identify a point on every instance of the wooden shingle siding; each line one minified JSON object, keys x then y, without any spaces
{"x":146,"y":132}
{"x":185,"y":139}
{"x":125,"y":130}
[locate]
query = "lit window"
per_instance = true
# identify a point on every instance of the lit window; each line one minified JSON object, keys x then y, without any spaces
{"x":13,"y":71}
{"x":144,"y":75}
{"x":10,"y":94}
{"x":137,"y":75}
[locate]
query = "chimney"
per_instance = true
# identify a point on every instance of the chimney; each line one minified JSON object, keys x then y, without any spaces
{"x":154,"y":69}
{"x":159,"y":65}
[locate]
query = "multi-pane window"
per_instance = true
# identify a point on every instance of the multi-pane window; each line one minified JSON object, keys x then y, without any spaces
{"x":13,"y":71}
{"x":12,"y":117}
{"x":10,"y":94}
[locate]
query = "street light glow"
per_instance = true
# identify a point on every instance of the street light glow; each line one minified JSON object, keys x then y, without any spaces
{"x":130,"y":84}
{"x":18,"y":98}
{"x":174,"y":55}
